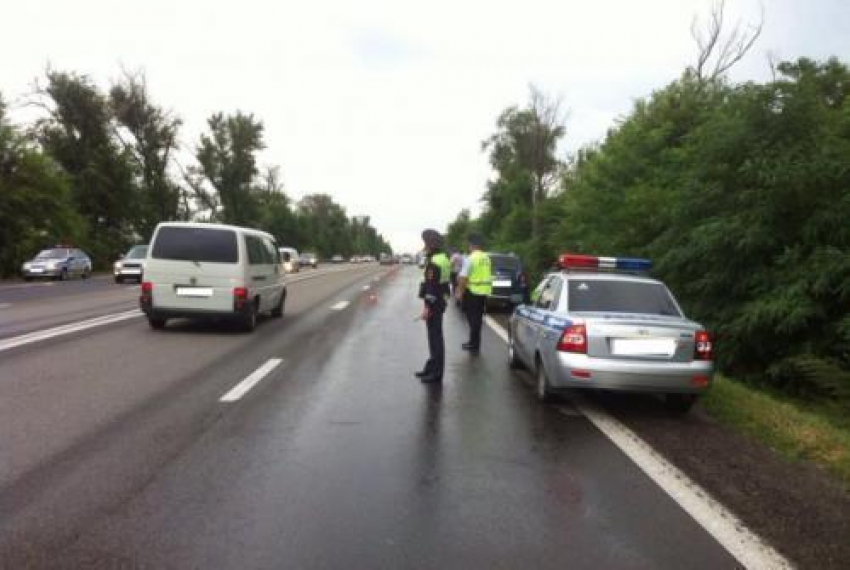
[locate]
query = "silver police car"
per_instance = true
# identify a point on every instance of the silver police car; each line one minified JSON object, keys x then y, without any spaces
{"x":618,"y":330}
{"x":60,"y":262}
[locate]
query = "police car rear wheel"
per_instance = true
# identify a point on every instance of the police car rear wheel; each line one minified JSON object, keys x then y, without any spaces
{"x":544,"y":391}
{"x":513,"y":359}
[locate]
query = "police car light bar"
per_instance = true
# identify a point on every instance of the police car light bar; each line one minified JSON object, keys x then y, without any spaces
{"x":569,"y":261}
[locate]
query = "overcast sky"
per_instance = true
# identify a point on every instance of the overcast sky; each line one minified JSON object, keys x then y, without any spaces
{"x":384,"y":104}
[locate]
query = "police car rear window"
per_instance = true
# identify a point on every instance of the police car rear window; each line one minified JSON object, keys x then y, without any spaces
{"x":196,"y":244}
{"x":603,"y":296}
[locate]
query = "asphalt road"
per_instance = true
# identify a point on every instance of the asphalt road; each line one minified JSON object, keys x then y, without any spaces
{"x":117,"y":451}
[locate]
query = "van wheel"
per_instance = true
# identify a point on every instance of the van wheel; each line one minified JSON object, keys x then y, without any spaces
{"x":679,"y":403}
{"x":277,"y":312}
{"x":544,"y":391}
{"x":119,"y":280}
{"x":157,"y":323}
{"x":249,"y":321}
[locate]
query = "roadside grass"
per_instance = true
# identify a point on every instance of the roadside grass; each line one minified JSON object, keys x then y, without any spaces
{"x":798,"y":431}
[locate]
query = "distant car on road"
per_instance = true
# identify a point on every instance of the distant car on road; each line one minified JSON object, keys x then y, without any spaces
{"x":291,"y":259}
{"x":59,"y":262}
{"x":610,"y":331}
{"x":337,"y":259}
{"x":203,"y":271}
{"x":406,"y":259}
{"x":386,"y":259}
{"x":509,"y":286}
{"x":309,"y":259}
{"x":131,"y":265}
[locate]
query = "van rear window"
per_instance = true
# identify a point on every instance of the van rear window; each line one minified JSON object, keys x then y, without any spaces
{"x":196,"y":244}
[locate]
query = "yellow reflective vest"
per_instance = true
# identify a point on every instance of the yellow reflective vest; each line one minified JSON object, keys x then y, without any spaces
{"x":441,"y":260}
{"x":480,"y":277}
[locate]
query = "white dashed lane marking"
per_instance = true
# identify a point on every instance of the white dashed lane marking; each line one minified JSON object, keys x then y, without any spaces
{"x":251,"y":380}
{"x":340,"y":306}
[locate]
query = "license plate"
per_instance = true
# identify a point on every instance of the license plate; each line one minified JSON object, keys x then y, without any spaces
{"x":194,"y":292}
{"x":501,"y":283}
{"x":643,"y":346}
{"x":36,"y":270}
{"x":132,"y":271}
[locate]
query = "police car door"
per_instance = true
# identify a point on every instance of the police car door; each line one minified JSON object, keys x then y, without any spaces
{"x":546,"y":333}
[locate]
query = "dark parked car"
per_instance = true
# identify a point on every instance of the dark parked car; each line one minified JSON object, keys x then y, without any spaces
{"x":510,"y":286}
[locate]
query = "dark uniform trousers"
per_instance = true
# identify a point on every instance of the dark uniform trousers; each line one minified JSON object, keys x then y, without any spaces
{"x":475,"y":305}
{"x":436,"y":344}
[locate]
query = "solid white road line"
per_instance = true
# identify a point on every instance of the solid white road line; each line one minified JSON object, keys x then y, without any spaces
{"x":37,"y":336}
{"x":340,"y":306}
{"x":251,"y":380}
{"x":5,"y":305}
{"x":496,"y":328}
{"x":750,"y":550}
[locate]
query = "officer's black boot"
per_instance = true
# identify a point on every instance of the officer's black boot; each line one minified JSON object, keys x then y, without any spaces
{"x":429,"y":366}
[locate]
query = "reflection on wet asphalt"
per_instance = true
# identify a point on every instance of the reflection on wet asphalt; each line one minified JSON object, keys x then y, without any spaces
{"x":341,"y":459}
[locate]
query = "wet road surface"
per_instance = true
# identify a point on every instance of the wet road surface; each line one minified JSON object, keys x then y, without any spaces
{"x":338,"y":458}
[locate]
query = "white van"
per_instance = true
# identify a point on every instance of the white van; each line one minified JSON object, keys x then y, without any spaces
{"x":196,"y":270}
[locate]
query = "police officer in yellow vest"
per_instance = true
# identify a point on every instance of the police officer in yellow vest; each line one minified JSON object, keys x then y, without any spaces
{"x":475,"y":283}
{"x":434,"y":291}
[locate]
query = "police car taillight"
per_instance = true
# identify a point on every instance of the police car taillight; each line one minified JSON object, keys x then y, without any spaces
{"x":703,"y":347}
{"x":577,"y":261}
{"x":574,"y":339}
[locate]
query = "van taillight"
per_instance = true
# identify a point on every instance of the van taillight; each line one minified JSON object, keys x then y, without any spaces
{"x":574,"y":339}
{"x":702,"y":346}
{"x":240,"y":295}
{"x":146,"y":298}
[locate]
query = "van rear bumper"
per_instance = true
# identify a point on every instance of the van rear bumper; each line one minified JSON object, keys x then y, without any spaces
{"x":200,"y":314}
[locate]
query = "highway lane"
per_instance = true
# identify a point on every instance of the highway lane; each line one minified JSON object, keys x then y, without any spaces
{"x":337,"y":458}
{"x":27,"y":307}
{"x":131,"y":390}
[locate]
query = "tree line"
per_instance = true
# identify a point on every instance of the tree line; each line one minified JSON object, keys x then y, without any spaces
{"x":100,"y":169}
{"x":739,"y":193}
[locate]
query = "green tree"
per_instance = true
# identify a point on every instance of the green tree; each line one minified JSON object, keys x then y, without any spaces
{"x":151,"y":139}
{"x":36,"y":209}
{"x":523,"y":153}
{"x":227,"y":159}
{"x":78,"y":134}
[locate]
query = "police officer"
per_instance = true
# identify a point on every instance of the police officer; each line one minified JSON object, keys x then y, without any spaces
{"x":474,"y":286}
{"x":434,"y":291}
